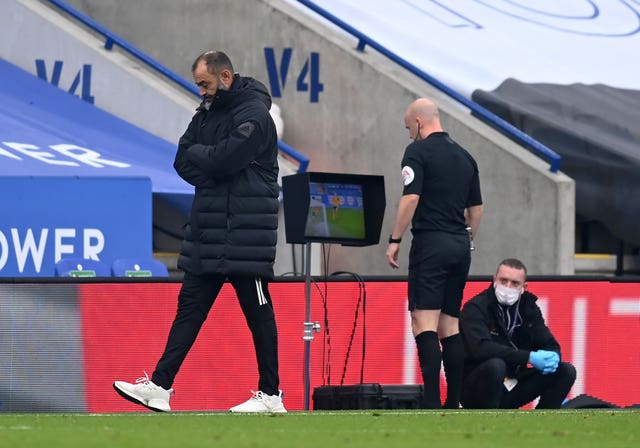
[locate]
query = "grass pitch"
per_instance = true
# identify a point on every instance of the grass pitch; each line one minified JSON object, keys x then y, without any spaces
{"x":371,"y":429}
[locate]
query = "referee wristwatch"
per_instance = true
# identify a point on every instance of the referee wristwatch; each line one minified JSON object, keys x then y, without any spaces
{"x":393,"y":240}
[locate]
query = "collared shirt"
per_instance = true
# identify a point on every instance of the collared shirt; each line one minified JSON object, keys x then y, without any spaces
{"x":446,"y":177}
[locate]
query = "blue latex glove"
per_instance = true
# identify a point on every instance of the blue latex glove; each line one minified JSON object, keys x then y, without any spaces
{"x":544,"y":360}
{"x":537,"y":359}
{"x":552,"y":363}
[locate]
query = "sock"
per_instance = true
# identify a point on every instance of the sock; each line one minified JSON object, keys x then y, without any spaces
{"x":453,"y":361}
{"x":430,"y":357}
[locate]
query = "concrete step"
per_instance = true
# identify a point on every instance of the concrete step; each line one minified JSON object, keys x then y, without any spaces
{"x":605,"y":264}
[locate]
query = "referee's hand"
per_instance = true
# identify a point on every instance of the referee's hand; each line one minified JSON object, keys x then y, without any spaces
{"x":392,"y":255}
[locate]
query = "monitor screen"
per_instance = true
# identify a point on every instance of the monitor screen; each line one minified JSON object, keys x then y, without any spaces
{"x":339,"y":208}
{"x":336,"y":210}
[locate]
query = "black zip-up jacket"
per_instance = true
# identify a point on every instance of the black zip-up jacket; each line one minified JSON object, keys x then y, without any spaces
{"x":485,"y":335}
{"x":229,"y":153}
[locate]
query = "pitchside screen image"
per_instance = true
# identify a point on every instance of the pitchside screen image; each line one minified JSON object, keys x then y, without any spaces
{"x":339,"y":208}
{"x":335,"y":211}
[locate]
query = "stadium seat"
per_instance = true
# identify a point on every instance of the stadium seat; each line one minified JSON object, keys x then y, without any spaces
{"x":133,"y":267}
{"x":79,"y":267}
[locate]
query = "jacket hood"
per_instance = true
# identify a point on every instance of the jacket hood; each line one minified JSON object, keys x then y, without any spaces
{"x":242,"y":89}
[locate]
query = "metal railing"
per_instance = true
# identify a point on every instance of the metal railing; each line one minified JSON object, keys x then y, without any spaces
{"x":112,"y":39}
{"x":509,"y":130}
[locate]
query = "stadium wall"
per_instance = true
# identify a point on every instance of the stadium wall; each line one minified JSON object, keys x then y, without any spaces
{"x":46,"y":43}
{"x":344,"y":108}
{"x":62,"y":344}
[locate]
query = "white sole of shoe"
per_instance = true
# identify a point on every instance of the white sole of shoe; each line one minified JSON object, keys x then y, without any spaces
{"x":136,"y":400}
{"x":265,"y":411}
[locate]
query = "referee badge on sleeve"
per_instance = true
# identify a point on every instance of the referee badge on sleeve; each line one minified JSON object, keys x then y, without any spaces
{"x":407,"y":175}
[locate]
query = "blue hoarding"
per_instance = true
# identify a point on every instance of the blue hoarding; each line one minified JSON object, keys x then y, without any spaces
{"x":45,"y":219}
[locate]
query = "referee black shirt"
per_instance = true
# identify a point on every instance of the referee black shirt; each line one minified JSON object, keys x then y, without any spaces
{"x":445,"y":176}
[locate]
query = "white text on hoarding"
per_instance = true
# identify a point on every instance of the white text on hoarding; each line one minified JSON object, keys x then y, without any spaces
{"x":78,"y":155}
{"x":25,"y":246}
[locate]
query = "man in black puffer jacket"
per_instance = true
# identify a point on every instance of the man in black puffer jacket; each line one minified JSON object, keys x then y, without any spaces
{"x":229,"y":153}
{"x":503,"y":330}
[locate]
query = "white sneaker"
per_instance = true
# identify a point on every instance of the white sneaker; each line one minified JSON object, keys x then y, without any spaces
{"x":261,"y":402}
{"x":146,"y":393}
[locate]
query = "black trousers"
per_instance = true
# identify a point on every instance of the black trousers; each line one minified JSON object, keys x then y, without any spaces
{"x":483,"y":387}
{"x":196,"y":297}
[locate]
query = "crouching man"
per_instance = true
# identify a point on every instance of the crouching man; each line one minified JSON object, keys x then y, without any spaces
{"x":511,"y":356}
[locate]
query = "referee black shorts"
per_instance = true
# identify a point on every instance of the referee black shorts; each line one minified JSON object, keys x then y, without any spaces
{"x":438,"y":268}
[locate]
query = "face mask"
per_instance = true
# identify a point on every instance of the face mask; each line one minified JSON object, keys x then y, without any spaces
{"x":506,"y":296}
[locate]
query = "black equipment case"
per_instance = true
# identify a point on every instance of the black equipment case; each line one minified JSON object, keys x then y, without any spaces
{"x":368,"y":396}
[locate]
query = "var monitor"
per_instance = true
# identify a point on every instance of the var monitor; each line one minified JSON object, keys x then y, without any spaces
{"x":337,"y":208}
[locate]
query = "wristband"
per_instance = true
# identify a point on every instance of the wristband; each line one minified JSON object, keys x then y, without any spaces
{"x":393,"y":240}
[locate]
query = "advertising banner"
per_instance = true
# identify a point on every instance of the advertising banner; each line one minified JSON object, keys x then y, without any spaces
{"x":596,"y":323}
{"x":45,"y":219}
{"x":86,"y":336}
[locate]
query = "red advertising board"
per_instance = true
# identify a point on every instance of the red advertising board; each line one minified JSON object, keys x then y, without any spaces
{"x":124,"y":329}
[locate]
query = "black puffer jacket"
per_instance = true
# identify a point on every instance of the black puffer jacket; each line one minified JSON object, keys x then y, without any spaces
{"x":229,"y":153}
{"x":484,"y":331}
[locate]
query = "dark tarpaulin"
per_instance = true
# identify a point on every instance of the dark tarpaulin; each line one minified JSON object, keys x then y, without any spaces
{"x":596,"y":130}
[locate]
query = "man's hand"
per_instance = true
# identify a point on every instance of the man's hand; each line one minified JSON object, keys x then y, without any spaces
{"x":392,"y":255}
{"x":406,"y":210}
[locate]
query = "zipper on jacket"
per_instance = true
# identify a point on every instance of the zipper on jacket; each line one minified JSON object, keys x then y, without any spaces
{"x":226,"y":235}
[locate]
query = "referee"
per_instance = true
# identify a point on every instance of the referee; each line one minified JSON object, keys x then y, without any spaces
{"x":441,"y":197}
